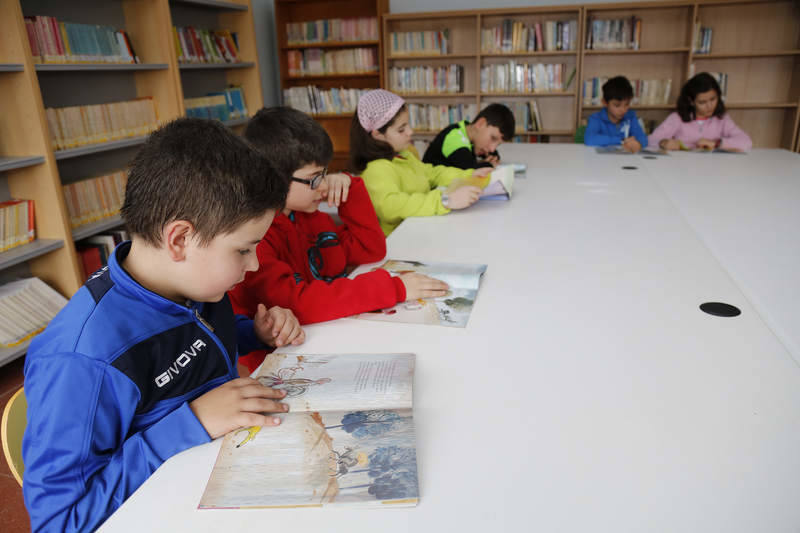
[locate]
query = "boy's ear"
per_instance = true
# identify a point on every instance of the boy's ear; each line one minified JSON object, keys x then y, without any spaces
{"x":480,"y":123}
{"x":176,"y":236}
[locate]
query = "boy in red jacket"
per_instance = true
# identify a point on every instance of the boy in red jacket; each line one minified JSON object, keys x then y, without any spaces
{"x":304,"y":256}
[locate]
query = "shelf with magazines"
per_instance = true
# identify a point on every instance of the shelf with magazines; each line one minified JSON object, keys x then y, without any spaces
{"x":329,"y":53}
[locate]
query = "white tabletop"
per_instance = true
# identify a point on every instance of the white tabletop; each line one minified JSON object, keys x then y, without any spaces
{"x":588,"y":391}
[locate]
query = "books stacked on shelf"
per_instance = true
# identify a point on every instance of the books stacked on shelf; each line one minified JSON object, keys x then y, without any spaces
{"x":221,"y":105}
{"x":91,"y":124}
{"x":518,"y":77}
{"x":313,"y":100}
{"x":16,"y":223}
{"x":420,"y":42}
{"x":315,"y":61}
{"x":66,"y":42}
{"x":431,"y":80}
{"x":205,"y":46}
{"x":95,"y":199}
{"x":614,"y":34}
{"x":645,"y":92}
{"x":515,"y":36}
{"x":95,"y":250}
{"x":436,"y":117}
{"x":702,"y":39}
{"x":526,"y":115}
{"x":722,"y":80}
{"x":332,"y":30}
{"x":26,"y":307}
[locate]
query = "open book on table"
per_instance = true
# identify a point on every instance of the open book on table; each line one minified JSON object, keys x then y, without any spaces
{"x":618,"y":149}
{"x":453,"y":309}
{"x":348,"y":437}
{"x":500,"y":187}
{"x":716,"y":150}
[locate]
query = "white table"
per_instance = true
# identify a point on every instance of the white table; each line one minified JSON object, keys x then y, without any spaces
{"x":588,"y":392}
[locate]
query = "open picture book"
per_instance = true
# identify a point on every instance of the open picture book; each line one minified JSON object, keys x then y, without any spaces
{"x":500,"y":187}
{"x":453,"y":309}
{"x":348,"y":437}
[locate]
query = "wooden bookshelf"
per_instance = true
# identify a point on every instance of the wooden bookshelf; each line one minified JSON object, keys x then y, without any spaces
{"x":757,"y":42}
{"x":30,"y":167}
{"x":290,"y":11}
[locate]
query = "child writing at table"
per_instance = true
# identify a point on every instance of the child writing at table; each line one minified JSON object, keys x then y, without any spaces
{"x":399,"y":184}
{"x":616,"y":124}
{"x":304,"y":257}
{"x":141,"y":363}
{"x":700,"y":121}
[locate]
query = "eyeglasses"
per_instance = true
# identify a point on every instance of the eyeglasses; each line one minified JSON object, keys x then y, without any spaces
{"x":315,"y":181}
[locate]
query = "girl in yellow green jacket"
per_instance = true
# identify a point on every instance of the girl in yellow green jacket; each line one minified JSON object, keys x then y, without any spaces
{"x":399,"y":184}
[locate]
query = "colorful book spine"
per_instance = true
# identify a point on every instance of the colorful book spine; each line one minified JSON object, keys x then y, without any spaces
{"x":645,"y":92}
{"x":195,"y":45}
{"x":515,"y":77}
{"x":432,"y":42}
{"x":332,"y":30}
{"x":52,"y":41}
{"x":90,"y":124}
{"x":427,"y":80}
{"x":16,"y":223}
{"x":432,"y":118}
{"x":316,"y":61}
{"x":315,"y":100}
{"x":95,"y":199}
{"x":614,"y":34}
{"x":221,"y":105}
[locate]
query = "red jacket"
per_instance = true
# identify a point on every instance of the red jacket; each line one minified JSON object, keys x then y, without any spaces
{"x":302,"y":261}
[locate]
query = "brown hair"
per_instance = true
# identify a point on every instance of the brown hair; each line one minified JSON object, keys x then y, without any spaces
{"x":365,"y":148}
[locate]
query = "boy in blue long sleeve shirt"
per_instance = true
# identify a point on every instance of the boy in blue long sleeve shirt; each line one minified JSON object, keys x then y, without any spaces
{"x":616,"y":124}
{"x":141,"y":363}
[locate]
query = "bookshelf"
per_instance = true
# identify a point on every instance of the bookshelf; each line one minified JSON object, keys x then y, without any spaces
{"x":756,"y":42}
{"x":30,"y":167}
{"x":295,"y":11}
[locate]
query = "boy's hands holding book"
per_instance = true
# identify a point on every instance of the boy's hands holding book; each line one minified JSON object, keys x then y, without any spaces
{"x":631,"y":145}
{"x":422,"y":286}
{"x":278,"y":326}
{"x":338,"y":188}
{"x":238,"y":403}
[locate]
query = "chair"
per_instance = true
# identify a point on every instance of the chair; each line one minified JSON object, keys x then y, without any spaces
{"x":12,"y":428}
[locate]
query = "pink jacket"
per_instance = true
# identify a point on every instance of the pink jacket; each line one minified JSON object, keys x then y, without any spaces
{"x":690,"y":132}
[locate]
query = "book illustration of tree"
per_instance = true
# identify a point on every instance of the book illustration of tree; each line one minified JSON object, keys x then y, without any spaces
{"x":393,"y":470}
{"x":459,"y":303}
{"x":368,"y":423}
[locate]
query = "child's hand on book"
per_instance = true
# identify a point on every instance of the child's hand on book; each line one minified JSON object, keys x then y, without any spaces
{"x":481,"y":172}
{"x":706,"y":144}
{"x":670,"y":144}
{"x":631,"y":145}
{"x":278,"y":326}
{"x":422,"y":286}
{"x":463,"y":197}
{"x":338,"y":188}
{"x":238,"y":403}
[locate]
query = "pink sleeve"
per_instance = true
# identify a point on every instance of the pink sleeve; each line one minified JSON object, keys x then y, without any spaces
{"x":665,"y":130}
{"x":733,"y":136}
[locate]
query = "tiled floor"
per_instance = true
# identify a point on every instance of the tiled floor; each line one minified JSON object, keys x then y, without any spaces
{"x":13,"y":516}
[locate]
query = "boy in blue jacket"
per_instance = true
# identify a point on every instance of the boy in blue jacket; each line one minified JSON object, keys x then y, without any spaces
{"x":616,"y":124}
{"x":141,"y":363}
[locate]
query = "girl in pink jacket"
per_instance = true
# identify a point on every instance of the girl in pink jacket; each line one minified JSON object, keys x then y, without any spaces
{"x":700,"y":121}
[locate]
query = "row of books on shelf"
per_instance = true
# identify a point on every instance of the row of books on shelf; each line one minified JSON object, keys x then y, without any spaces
{"x":26,"y":307}
{"x":16,"y":223}
{"x":444,"y":79}
{"x":515,"y":36}
{"x":702,"y":39}
{"x":518,"y":77}
{"x":432,"y":42}
{"x":614,"y":34}
{"x":645,"y":92}
{"x":90,"y":124}
{"x":526,"y":115}
{"x":94,"y":251}
{"x":223,"y":105}
{"x":95,"y":199}
{"x":314,"y":100}
{"x":52,"y":41}
{"x":195,"y":45}
{"x":336,"y":30}
{"x":314,"y":61}
{"x":436,"y":117}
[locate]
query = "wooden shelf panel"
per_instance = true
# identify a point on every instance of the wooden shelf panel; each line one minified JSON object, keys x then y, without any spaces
{"x":534,"y":94}
{"x":98,"y":67}
{"x":737,"y":55}
{"x":10,"y":163}
{"x":679,"y":50}
{"x":212,"y":4}
{"x":11,"y":67}
{"x":23,"y":253}
{"x":217,"y":66}
{"x":9,"y":354}
{"x":548,"y":53}
{"x":634,"y":107}
{"x":760,"y":105}
{"x":329,"y":44}
{"x":87,"y":230}
{"x":329,"y":76}
{"x":99,"y":147}
{"x":413,"y":57}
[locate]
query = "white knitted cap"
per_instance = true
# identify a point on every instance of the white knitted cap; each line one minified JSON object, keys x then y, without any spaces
{"x":378,"y":107}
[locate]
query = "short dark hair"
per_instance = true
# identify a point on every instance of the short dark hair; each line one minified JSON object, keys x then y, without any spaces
{"x":290,"y":138}
{"x":499,"y":116}
{"x":700,"y":83}
{"x":198,"y":170}
{"x":365,"y":148}
{"x":617,"y":88}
